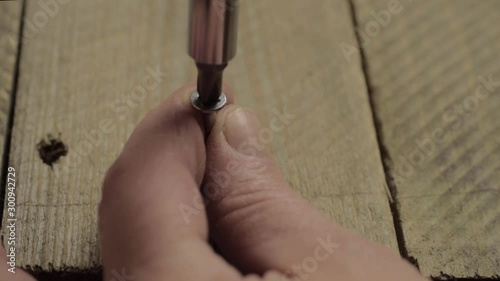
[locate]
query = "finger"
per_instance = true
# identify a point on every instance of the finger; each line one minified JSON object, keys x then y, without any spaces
{"x":151,"y":218}
{"x":9,"y":273}
{"x":257,"y":220}
{"x":260,"y":224}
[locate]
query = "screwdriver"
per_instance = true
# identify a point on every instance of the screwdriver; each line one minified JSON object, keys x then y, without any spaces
{"x":212,"y":37}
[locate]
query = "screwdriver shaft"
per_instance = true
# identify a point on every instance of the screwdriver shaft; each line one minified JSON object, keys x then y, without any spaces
{"x":210,"y":82}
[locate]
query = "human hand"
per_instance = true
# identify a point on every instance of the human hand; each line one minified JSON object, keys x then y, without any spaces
{"x":153,"y":224}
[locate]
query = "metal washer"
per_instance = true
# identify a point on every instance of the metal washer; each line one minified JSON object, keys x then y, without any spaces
{"x":196,"y":102}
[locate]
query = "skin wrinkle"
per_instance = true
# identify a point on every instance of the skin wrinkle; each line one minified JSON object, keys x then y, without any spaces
{"x":248,"y":188}
{"x":251,"y":212}
{"x":245,"y":187}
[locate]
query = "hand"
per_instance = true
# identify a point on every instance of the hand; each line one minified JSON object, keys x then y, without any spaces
{"x":154,"y":226}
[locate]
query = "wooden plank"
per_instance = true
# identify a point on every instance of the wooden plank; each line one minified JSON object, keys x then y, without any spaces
{"x":10,"y":19}
{"x":90,"y":54}
{"x":439,"y":123}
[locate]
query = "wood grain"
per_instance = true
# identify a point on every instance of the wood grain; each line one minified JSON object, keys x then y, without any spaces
{"x":10,"y":19}
{"x":439,"y":124}
{"x":93,"y":53}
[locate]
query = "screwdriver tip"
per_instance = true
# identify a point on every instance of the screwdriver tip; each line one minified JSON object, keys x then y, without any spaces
{"x":198,"y":103}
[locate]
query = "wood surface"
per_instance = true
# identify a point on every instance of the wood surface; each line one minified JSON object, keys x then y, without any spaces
{"x":91,"y":54}
{"x":10,"y":20}
{"x":424,"y":70}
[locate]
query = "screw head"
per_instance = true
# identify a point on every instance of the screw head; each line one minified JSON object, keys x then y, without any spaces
{"x":196,"y":102}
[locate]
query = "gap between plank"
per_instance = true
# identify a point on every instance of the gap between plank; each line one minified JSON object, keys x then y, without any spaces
{"x":10,"y":117}
{"x":68,"y":276}
{"x":384,"y":154}
{"x":449,"y":278}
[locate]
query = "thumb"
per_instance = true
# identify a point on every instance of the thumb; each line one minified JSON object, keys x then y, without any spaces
{"x":256,"y":220}
{"x":260,"y":224}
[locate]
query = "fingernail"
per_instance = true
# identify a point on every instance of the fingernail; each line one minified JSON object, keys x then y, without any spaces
{"x":242,"y":131}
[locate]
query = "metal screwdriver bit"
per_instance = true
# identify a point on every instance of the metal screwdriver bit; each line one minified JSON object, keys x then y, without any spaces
{"x":212,"y":44}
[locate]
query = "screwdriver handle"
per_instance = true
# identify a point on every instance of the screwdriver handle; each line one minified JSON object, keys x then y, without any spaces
{"x":213,"y":26}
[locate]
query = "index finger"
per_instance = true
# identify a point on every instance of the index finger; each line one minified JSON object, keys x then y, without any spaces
{"x":142,"y":229}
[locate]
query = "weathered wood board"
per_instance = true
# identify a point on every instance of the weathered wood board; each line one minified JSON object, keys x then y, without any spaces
{"x":10,"y":21}
{"x":88,"y":57}
{"x":427,"y":65}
